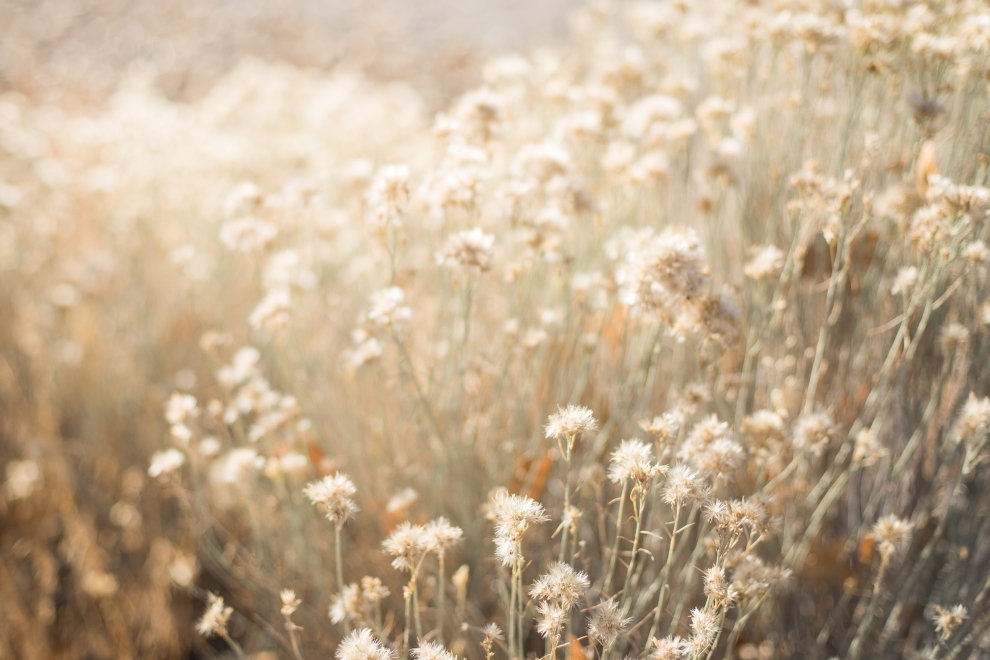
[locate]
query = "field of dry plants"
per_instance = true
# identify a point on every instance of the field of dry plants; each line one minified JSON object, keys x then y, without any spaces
{"x":667,"y":340}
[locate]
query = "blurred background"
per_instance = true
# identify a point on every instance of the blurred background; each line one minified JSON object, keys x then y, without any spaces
{"x":79,"y":48}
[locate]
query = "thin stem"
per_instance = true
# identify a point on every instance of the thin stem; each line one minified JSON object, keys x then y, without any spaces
{"x":419,"y":623}
{"x":441,"y":596}
{"x":407,"y":594}
{"x":238,"y":651}
{"x":718,"y":635}
{"x":292,"y":638}
{"x":665,"y":574}
{"x":567,"y":498}
{"x":511,"y":614}
{"x":615,"y":545}
{"x":637,"y":512}
{"x":337,"y":557}
{"x":856,"y":647}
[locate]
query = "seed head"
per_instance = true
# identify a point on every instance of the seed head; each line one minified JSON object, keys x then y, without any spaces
{"x":683,"y":486}
{"x":215,"y":618}
{"x":868,"y":449}
{"x":362,"y":645}
{"x":633,"y":460}
{"x":606,"y":623}
{"x":704,"y":435}
{"x":289,"y":602}
{"x":515,"y":513}
{"x":561,"y":584}
{"x":763,"y":426}
{"x":180,"y":408}
{"x":387,"y":307}
{"x":947,"y":620}
{"x":668,"y":648}
{"x":893,"y":534}
{"x":813,"y":431}
{"x":550,"y":620}
{"x":346,"y":605}
{"x":468,"y":249}
{"x":166,"y":461}
{"x":573,"y":421}
{"x":767,"y":262}
{"x":407,"y":544}
{"x":974,"y":420}
{"x":704,"y":628}
{"x":664,"y":427}
{"x":905,"y":281}
{"x":491,"y":631}
{"x":333,"y":495}
{"x":372,"y":589}
{"x":441,"y":535}
{"x":717,"y":587}
{"x":432,"y":651}
{"x":389,"y":192}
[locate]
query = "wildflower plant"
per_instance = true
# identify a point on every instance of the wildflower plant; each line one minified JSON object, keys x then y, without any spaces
{"x":706,"y":285}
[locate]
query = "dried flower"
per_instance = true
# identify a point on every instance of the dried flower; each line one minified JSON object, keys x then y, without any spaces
{"x":408,"y":544}
{"x":215,"y":618}
{"x":24,"y":478}
{"x":389,"y":192}
{"x":468,"y":249}
{"x":289,"y":602}
{"x":550,"y":619}
{"x":717,"y":587}
{"x":432,"y":651}
{"x":668,"y":648}
{"x":906,"y":280}
{"x":561,"y":584}
{"x":947,"y":620}
{"x":372,"y":590}
{"x":606,"y":623}
{"x":346,"y":605}
{"x":973,"y":422}
{"x":180,"y":408}
{"x":683,"y":486}
{"x":704,"y":628}
{"x":977,"y":252}
{"x":441,"y":535}
{"x":664,"y":427}
{"x":571,"y":422}
{"x":710,"y":448}
{"x":492,"y":631}
{"x":893,"y":534}
{"x":362,"y":645}
{"x":812,"y":432}
{"x":387,"y":307}
{"x":513,"y":515}
{"x":334,"y":496}
{"x":767,"y":262}
{"x":633,"y":460}
{"x":868,"y":449}
{"x":164,"y":462}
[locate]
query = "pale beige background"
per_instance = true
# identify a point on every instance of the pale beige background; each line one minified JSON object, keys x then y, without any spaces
{"x":79,"y":48}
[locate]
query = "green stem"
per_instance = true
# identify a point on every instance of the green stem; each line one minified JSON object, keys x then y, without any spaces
{"x":637,"y":512}
{"x":419,"y":623}
{"x":615,"y":545}
{"x":664,"y":575}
